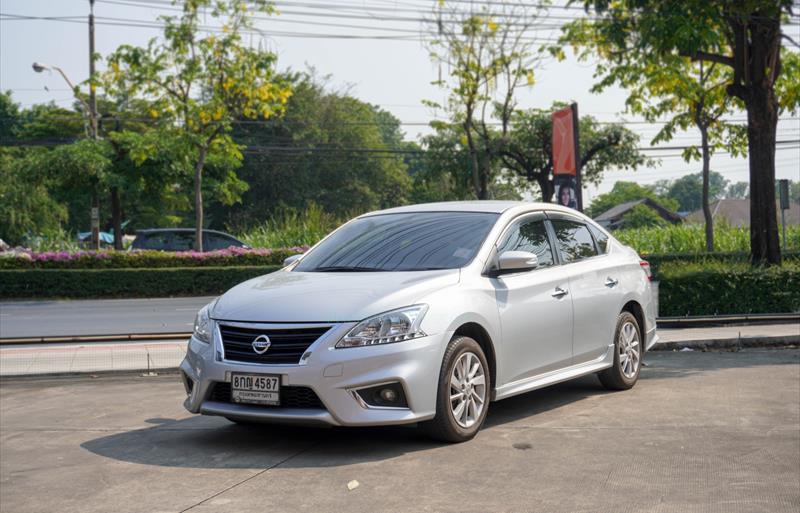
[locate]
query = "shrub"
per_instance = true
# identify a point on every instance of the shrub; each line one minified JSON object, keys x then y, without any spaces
{"x":708,"y":259}
{"x":147,"y":259}
{"x":690,"y":238}
{"x":708,"y":288}
{"x":106,"y":283}
{"x":292,"y":229}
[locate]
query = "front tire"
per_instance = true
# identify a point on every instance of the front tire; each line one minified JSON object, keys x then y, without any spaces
{"x":628,"y":351}
{"x":462,"y":398}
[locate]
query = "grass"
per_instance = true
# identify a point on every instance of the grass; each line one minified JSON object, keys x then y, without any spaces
{"x":691,"y":239}
{"x":291,"y":229}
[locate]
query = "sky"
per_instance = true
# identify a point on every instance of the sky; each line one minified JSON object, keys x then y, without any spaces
{"x":386,"y":64}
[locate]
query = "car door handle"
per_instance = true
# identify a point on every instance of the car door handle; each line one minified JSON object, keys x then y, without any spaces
{"x":611,"y":282}
{"x":559,"y":292}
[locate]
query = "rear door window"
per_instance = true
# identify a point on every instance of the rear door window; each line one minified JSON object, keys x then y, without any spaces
{"x":601,"y":238}
{"x":574,"y":240}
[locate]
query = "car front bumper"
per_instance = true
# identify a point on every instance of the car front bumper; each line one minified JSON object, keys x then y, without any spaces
{"x":333,"y":374}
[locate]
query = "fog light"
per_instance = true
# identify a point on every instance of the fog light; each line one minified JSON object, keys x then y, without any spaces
{"x":387,"y":395}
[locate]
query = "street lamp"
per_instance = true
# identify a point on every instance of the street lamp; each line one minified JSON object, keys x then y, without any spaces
{"x":39,"y":67}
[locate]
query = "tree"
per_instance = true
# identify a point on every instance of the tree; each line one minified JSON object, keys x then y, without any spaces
{"x":489,"y":54}
{"x":742,"y":36}
{"x":605,"y":146}
{"x":737,"y":190}
{"x":642,"y":216}
{"x":329,"y":149}
{"x":694,"y":191}
{"x":623,"y":192}
{"x":689,"y":94}
{"x":202,"y":84}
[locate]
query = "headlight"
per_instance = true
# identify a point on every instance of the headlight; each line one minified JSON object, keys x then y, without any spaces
{"x":387,"y":328}
{"x":202,"y":324}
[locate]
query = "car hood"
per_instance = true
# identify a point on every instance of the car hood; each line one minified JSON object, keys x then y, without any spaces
{"x":285,"y":296}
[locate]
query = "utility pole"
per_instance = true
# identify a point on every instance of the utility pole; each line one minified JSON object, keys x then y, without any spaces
{"x":93,"y":130}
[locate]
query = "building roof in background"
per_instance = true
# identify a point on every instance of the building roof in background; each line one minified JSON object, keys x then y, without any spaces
{"x":736,"y":212}
{"x":612,"y":218}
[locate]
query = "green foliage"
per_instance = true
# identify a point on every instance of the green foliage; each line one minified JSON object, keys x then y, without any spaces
{"x":642,"y":216}
{"x":688,"y":238}
{"x":604,"y":146}
{"x":488,"y":55}
{"x":199,"y":85}
{"x":688,"y":190}
{"x":108,"y":283}
{"x":738,"y":190}
{"x":290,"y":228}
{"x":315,"y":154}
{"x":26,"y":207}
{"x":710,"y":288}
{"x":622,"y":192}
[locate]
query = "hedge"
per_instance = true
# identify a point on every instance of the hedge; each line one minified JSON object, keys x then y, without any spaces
{"x":657,"y":260}
{"x":146,"y":259}
{"x":110,"y":283}
{"x":728,"y":288}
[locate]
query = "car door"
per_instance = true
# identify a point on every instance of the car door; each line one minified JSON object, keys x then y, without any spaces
{"x":535,"y":311}
{"x":593,"y":285}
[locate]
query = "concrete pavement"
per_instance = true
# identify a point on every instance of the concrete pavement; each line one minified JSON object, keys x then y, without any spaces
{"x":701,"y":432}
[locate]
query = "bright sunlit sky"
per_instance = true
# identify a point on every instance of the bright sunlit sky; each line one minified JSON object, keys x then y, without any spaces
{"x":393,"y":73}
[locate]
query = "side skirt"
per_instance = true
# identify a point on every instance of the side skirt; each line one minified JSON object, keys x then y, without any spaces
{"x":551,"y":378}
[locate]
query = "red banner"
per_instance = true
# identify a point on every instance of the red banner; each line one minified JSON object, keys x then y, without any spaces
{"x":564,"y":143}
{"x":566,"y":152}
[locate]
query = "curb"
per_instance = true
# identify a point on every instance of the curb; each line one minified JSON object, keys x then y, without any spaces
{"x":730,"y":343}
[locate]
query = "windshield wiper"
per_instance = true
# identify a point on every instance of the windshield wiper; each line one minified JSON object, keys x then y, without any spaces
{"x":345,"y":269}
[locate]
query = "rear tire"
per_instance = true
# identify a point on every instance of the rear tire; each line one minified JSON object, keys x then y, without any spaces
{"x":628,"y":351}
{"x":463,"y":393}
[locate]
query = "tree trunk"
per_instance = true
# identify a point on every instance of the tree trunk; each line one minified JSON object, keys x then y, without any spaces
{"x":546,"y":186}
{"x":706,"y":186}
{"x":198,"y":199}
{"x":116,"y":218}
{"x":474,"y":163}
{"x":762,"y":122}
{"x":483,"y":178}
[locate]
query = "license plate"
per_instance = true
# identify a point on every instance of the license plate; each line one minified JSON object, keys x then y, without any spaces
{"x":256,"y":389}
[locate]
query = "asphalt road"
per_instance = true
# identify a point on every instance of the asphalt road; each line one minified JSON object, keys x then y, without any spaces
{"x":98,"y":316}
{"x":710,"y":432}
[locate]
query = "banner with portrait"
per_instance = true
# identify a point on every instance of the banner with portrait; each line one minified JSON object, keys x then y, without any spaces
{"x":566,"y":155}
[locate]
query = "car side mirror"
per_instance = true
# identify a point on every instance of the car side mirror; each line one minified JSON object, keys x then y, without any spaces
{"x":292,"y":259}
{"x":517,"y":261}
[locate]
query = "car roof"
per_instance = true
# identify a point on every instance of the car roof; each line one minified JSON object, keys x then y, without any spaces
{"x":147,"y":231}
{"x":488,"y":206}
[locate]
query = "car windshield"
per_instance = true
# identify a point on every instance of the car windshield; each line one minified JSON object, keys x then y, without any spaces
{"x":402,"y":242}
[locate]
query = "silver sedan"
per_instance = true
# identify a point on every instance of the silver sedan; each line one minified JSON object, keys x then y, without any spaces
{"x":425,"y":314}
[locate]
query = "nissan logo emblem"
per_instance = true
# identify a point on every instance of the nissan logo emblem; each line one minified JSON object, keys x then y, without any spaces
{"x":261,"y":343}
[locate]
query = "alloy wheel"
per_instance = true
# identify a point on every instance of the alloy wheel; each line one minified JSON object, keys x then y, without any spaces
{"x":629,"y":355}
{"x":467,"y":389}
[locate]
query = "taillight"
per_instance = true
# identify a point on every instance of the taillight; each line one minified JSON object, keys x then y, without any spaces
{"x":646,"y":268}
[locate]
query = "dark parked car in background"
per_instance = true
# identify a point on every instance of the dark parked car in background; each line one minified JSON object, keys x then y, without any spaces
{"x":182,"y":239}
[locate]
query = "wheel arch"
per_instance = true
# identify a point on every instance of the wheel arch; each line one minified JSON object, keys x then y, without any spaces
{"x":635,"y":309}
{"x":478,"y":333}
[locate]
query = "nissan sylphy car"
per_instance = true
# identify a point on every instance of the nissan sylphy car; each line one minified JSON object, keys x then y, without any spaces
{"x":425,"y":314}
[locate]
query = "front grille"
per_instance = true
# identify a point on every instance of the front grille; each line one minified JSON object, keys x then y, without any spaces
{"x":291,"y":397}
{"x":288,"y":345}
